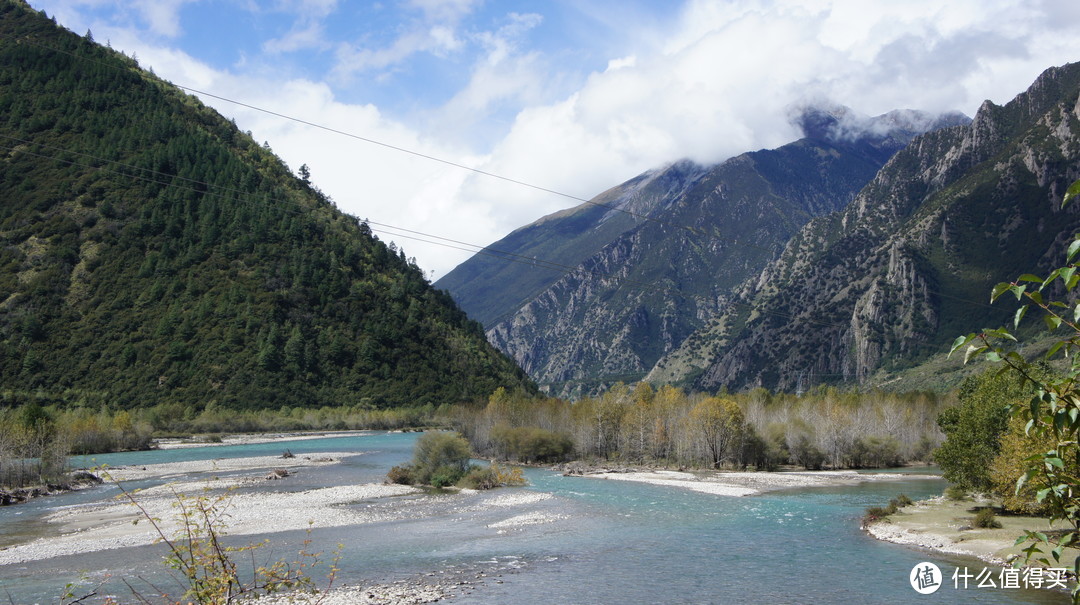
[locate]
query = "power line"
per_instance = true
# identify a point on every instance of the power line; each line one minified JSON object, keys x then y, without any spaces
{"x":243,"y":197}
{"x":408,"y":151}
{"x":446,"y":242}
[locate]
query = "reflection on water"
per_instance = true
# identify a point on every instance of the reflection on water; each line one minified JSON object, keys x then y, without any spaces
{"x":591,"y":542}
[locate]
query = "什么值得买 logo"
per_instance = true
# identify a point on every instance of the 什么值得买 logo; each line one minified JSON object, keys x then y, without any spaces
{"x":925,"y":578}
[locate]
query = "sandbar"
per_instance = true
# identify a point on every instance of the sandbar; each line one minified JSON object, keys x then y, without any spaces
{"x":749,"y":483}
{"x":945,"y":526}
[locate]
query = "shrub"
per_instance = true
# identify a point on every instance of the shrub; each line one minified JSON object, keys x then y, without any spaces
{"x":479,"y":478}
{"x":875,"y":513}
{"x":902,"y":500}
{"x":401,"y":474}
{"x":210,"y":571}
{"x":439,"y":459}
{"x":443,"y":454}
{"x":491,"y":477}
{"x":955,"y":492}
{"x":531,"y":444}
{"x":984,"y":518}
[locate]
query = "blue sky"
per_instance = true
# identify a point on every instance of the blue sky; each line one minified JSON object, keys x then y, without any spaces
{"x":571,"y":95}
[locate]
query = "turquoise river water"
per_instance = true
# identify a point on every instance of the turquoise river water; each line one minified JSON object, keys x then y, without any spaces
{"x":601,"y":541}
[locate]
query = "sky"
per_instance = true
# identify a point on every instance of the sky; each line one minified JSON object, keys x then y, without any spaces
{"x":566,"y":97}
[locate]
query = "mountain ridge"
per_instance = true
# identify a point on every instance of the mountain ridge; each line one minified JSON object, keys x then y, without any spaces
{"x":895,"y":276}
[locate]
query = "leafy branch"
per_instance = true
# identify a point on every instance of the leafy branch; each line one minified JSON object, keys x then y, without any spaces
{"x":1053,"y":410}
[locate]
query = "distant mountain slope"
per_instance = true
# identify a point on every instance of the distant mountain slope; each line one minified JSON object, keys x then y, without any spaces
{"x":655,"y":280}
{"x":909,"y":264}
{"x":150,"y":252}
{"x":493,"y":284}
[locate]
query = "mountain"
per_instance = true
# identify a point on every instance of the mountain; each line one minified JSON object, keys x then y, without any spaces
{"x":515,"y":269}
{"x":909,"y":264}
{"x":631,"y":288}
{"x":151,"y":252}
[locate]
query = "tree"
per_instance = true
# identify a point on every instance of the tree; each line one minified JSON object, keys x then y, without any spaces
{"x":719,"y":424}
{"x":1053,"y":410}
{"x":973,"y":429}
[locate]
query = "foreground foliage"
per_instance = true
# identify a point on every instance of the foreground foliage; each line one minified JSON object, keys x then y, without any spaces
{"x":1052,"y":414}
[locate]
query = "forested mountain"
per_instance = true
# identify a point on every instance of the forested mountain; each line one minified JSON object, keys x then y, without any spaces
{"x":151,"y":252}
{"x":909,"y":265}
{"x":637,"y":285}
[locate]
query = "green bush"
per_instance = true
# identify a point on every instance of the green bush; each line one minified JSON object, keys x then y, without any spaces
{"x":445,"y":476}
{"x":984,"y":518}
{"x":439,"y":459}
{"x":902,"y":500}
{"x":875,"y":513}
{"x":955,"y":492}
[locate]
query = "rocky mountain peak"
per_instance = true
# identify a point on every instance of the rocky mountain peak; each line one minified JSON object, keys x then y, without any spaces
{"x":841,"y":124}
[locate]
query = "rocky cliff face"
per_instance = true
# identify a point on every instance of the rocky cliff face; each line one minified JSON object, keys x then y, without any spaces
{"x":909,"y":264}
{"x":639,"y":296}
{"x":494,"y":284}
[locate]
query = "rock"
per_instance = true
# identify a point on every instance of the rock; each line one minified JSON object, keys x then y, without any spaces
{"x":277,"y":473}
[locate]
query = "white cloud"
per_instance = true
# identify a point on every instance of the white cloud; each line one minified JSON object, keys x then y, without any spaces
{"x":435,"y":31}
{"x":161,"y":16}
{"x":306,"y":33}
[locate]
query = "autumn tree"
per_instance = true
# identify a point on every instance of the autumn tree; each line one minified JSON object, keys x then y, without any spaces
{"x":719,"y":424}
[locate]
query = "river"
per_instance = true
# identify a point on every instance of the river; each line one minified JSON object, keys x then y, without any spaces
{"x":577,"y":541}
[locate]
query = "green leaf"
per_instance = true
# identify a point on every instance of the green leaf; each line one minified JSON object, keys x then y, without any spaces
{"x":1020,"y":313}
{"x":1023,"y":479}
{"x":1052,"y":321}
{"x":1070,"y":193}
{"x":1074,"y":247}
{"x":1057,"y":346}
{"x":960,"y":341}
{"x":973,"y":351}
{"x":1067,"y":274}
{"x":1029,"y":277}
{"x":1050,"y":278}
{"x":1000,"y":289}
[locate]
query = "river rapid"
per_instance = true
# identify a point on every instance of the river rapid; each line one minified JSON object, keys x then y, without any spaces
{"x":560,"y":540}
